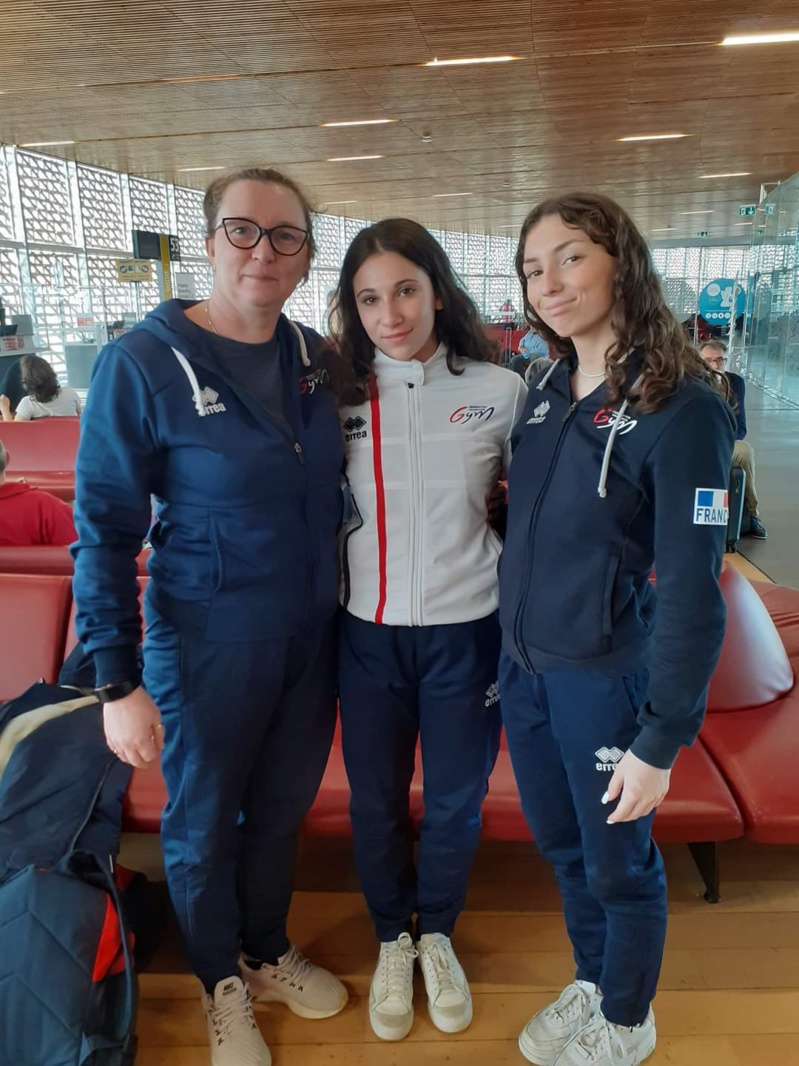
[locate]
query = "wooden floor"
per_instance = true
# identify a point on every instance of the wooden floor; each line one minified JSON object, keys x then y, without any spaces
{"x":729,"y":993}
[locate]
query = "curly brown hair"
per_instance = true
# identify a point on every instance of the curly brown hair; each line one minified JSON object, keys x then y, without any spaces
{"x":640,"y":315}
{"x":38,"y":378}
{"x":457,"y":324}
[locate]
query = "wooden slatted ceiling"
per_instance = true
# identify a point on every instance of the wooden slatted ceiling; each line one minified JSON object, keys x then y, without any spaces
{"x":94,"y":71}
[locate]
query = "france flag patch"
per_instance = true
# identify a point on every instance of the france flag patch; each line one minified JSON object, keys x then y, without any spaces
{"x":711,"y":507}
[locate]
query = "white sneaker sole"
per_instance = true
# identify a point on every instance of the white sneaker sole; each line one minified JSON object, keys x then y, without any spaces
{"x":300,"y":1009}
{"x":532,"y":1054}
{"x":447,"y":1024}
{"x":391,"y":1033}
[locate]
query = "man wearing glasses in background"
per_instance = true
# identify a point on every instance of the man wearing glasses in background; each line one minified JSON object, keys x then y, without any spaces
{"x":714,"y":352}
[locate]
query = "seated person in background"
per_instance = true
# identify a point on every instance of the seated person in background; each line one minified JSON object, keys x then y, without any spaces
{"x":11,"y":385}
{"x":44,"y":396}
{"x":530,"y":345}
{"x":714,"y":352}
{"x":29,"y":515}
{"x":535,"y":367}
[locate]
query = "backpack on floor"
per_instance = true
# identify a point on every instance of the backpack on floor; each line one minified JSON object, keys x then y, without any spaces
{"x":68,"y":993}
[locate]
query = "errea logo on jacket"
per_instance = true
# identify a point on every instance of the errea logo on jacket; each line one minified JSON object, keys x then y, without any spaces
{"x":209,"y":399}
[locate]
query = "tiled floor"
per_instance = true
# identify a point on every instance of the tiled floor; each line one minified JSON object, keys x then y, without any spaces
{"x":774,"y":434}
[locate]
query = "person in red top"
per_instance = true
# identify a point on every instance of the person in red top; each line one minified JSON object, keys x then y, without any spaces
{"x":31,"y":516}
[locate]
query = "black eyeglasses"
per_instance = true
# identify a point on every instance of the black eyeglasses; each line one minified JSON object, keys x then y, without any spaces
{"x":244,"y":233}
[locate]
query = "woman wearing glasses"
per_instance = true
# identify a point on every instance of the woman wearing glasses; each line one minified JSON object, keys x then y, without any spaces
{"x":218,"y":410}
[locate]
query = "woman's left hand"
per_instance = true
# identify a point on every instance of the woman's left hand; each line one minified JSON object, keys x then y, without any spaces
{"x":5,"y":408}
{"x":642,"y":788}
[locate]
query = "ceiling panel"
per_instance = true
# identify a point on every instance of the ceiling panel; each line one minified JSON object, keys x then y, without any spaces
{"x":156,"y":86}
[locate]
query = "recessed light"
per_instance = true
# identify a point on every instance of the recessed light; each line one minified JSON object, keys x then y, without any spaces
{"x":762,"y":38}
{"x":662,"y":229}
{"x":338,"y":203}
{"x":351,"y":158}
{"x":361,"y":122}
{"x":44,"y":144}
{"x":189,"y":170}
{"x":697,"y":212}
{"x":733,"y":174}
{"x":742,"y":223}
{"x":441,"y":195}
{"x":469,"y":62}
{"x":655,"y":137}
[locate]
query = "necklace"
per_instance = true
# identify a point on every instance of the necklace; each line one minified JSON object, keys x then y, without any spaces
{"x":580,"y":370}
{"x":208,"y":316}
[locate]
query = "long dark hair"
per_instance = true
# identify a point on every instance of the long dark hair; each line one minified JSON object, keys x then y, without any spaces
{"x":38,"y":378}
{"x":640,"y":315}
{"x":457,"y":324}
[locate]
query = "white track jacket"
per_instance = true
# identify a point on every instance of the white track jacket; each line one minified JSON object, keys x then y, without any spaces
{"x":423,"y":454}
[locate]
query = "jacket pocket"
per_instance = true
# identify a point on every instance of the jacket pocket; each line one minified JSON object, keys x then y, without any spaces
{"x":611,"y":573}
{"x":218,"y":563}
{"x":355,"y":523}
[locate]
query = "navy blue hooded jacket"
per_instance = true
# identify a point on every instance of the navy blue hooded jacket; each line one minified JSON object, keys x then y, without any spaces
{"x":247,"y":508}
{"x":574,"y":573}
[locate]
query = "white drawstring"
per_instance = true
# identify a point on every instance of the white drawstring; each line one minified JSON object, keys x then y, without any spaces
{"x":195,"y":385}
{"x":545,"y":379}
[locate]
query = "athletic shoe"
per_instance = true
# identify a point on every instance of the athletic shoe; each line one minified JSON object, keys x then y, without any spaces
{"x":448,"y":997}
{"x":307,"y":990}
{"x":601,"y":1043}
{"x":757,"y":529}
{"x":232,"y":1030}
{"x":391,"y":994}
{"x":549,"y":1031}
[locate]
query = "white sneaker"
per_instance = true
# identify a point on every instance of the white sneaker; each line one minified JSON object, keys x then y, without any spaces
{"x":307,"y":990}
{"x":549,"y":1031}
{"x":449,"y":1000}
{"x":391,"y":994}
{"x":232,"y":1030}
{"x":601,"y":1043}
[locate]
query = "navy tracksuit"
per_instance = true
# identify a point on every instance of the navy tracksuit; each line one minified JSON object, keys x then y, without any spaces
{"x":241,"y":608}
{"x":399,"y":684}
{"x":595,"y":663}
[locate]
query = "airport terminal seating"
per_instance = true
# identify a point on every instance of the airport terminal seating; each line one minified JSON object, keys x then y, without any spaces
{"x":43,"y":452}
{"x":739,"y":779}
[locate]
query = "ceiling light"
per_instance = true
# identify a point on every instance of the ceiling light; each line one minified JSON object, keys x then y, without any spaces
{"x":662,"y":229}
{"x":44,"y":144}
{"x":733,"y":174}
{"x":655,"y":137}
{"x":742,"y":223}
{"x":189,"y":170}
{"x":469,"y":62}
{"x":513,"y":225}
{"x":338,"y":203}
{"x":361,"y":122}
{"x":351,"y":158}
{"x":763,"y":38}
{"x":440,"y":195}
{"x":710,"y":212}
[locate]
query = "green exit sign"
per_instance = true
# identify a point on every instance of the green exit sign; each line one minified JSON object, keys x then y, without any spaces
{"x":747,"y":210}
{"x":701,"y":233}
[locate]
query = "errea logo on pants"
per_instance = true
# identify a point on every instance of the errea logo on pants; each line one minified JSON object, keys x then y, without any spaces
{"x":608,"y":757}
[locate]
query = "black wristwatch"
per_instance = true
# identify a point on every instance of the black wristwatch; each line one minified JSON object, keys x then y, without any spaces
{"x":109,"y":693}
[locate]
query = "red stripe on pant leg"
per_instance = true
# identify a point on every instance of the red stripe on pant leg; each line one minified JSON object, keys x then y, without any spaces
{"x":380,"y":501}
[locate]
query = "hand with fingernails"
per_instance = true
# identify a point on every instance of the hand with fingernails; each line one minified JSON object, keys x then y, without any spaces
{"x":642,"y":788}
{"x":133,"y":729}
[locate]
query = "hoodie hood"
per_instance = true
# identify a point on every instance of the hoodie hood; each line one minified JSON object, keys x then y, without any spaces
{"x":13,"y":488}
{"x":170,"y":325}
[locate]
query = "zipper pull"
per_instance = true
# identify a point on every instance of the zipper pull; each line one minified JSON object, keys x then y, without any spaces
{"x":570,"y":412}
{"x":298,"y":451}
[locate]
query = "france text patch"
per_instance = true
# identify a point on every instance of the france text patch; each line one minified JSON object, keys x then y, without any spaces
{"x":711,"y":507}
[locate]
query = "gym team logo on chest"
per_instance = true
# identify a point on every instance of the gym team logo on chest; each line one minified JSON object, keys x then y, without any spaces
{"x":472,"y":413}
